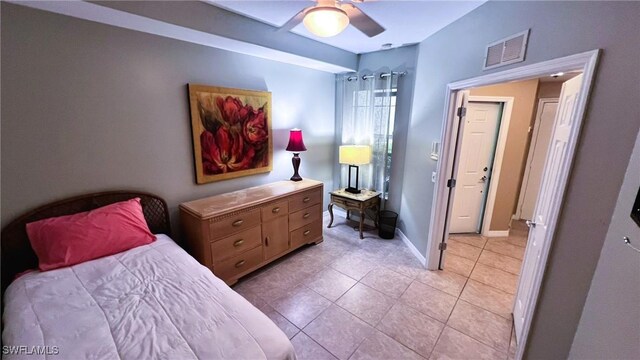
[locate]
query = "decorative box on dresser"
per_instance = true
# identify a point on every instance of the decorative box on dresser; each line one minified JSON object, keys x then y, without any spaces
{"x":236,"y":233}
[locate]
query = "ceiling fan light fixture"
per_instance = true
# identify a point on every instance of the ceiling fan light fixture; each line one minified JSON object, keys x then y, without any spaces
{"x":326,"y":21}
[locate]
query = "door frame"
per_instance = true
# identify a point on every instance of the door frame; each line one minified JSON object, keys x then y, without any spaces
{"x":501,"y":142}
{"x":585,"y":62}
{"x":534,"y":138}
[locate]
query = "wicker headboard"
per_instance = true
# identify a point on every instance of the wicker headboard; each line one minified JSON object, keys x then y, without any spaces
{"x":17,"y":255}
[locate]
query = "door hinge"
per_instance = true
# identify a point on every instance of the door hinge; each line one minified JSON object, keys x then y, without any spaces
{"x":462,"y":111}
{"x":451,"y":183}
{"x":442,"y":246}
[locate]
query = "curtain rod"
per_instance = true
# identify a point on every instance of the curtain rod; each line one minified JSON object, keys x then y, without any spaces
{"x":382,"y":76}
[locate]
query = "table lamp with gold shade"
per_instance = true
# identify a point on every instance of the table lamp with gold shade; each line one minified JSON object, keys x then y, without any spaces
{"x":354,"y":155}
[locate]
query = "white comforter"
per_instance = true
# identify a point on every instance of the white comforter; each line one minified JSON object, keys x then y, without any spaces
{"x":151,"y":302}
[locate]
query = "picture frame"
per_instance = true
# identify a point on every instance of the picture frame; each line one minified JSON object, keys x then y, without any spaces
{"x":231,"y":131}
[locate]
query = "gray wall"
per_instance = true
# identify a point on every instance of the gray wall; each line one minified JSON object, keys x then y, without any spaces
{"x":610,"y":324}
{"x":399,"y":59}
{"x":610,"y":128}
{"x":88,"y":107}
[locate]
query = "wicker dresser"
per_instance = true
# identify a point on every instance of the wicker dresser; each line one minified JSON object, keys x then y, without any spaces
{"x":236,"y":233}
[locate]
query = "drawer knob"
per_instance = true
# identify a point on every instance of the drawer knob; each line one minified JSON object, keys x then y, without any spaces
{"x":238,"y":222}
{"x":238,"y":242}
{"x":275,"y":210}
{"x":306,"y":215}
{"x":307,"y":232}
{"x":240,"y":263}
{"x":306,"y":199}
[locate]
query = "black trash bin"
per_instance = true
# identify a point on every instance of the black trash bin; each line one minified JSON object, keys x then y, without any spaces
{"x":387,"y":224}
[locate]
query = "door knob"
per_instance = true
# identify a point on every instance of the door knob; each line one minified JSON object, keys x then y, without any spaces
{"x":531,"y":223}
{"x":485,"y":168}
{"x":483,"y":179}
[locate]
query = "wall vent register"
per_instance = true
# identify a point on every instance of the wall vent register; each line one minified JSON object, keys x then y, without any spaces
{"x":506,"y":51}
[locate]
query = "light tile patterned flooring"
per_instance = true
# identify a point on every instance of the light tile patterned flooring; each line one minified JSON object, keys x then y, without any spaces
{"x":348,"y":298}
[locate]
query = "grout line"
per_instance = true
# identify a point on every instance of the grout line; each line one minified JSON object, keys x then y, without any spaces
{"x":509,"y":256}
{"x":359,"y":344}
{"x":458,"y":299}
{"x":497,"y":268}
{"x":314,"y":340}
{"x":482,"y":341}
{"x":400,"y":343}
{"x":436,"y":342}
{"x":491,"y":286}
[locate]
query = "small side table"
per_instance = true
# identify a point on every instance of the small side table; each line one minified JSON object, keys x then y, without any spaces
{"x":358,"y":202}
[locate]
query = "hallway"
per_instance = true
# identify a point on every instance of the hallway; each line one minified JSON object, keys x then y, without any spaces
{"x":492,"y":268}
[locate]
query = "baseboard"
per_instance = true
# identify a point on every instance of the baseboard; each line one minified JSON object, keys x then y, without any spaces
{"x":497,"y":233}
{"x":414,"y":251}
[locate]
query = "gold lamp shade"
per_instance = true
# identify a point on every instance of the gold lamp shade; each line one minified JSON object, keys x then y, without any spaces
{"x":355,"y":154}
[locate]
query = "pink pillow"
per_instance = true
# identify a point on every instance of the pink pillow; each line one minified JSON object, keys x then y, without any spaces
{"x":72,"y":239}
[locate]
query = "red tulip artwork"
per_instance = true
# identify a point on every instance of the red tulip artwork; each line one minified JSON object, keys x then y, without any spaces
{"x":231,"y":132}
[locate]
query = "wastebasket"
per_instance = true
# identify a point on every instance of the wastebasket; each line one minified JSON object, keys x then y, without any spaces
{"x":387,"y":224}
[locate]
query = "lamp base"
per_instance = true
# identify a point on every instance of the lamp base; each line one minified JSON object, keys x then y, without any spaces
{"x":296,"y":164}
{"x":352,"y":190}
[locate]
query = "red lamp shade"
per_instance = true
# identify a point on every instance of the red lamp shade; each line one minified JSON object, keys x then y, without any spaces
{"x":295,"y":141}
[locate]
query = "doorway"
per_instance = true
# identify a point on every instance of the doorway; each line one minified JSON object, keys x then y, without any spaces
{"x":562,"y":145}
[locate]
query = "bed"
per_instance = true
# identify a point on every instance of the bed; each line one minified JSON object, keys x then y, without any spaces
{"x":152,"y":301}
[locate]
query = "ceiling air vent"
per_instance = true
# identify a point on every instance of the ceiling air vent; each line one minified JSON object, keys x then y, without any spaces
{"x":506,"y":51}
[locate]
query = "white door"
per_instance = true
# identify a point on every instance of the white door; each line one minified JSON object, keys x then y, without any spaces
{"x":537,"y":154}
{"x":550,"y":193}
{"x":474,"y":166}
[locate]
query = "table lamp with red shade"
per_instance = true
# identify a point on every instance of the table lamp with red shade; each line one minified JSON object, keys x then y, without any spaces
{"x":296,"y":145}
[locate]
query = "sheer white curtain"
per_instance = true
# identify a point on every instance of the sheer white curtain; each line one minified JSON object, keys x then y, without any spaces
{"x":366,"y":108}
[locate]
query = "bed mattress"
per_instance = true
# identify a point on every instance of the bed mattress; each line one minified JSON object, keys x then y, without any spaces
{"x":150,"y":302}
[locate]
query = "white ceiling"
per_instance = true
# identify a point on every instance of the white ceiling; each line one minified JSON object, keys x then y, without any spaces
{"x":406,"y":22}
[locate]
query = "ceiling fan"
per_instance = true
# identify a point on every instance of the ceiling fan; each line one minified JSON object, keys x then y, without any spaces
{"x":330,"y":17}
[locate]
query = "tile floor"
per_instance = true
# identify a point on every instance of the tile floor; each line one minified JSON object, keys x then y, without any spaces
{"x":348,"y":298}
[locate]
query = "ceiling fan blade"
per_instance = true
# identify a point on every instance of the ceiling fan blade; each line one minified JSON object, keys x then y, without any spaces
{"x":294,"y":21}
{"x":362,"y":21}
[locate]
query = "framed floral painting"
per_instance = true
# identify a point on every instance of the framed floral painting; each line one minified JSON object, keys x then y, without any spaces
{"x":231,"y":132}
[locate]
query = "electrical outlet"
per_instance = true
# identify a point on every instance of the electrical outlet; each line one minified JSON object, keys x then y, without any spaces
{"x":433,"y":177}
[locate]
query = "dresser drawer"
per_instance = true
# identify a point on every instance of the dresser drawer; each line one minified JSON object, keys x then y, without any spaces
{"x":306,"y":234}
{"x":272,"y":211}
{"x":304,"y":216}
{"x":238,"y":264}
{"x":236,"y":244}
{"x":233,"y":224}
{"x":305,"y":199}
